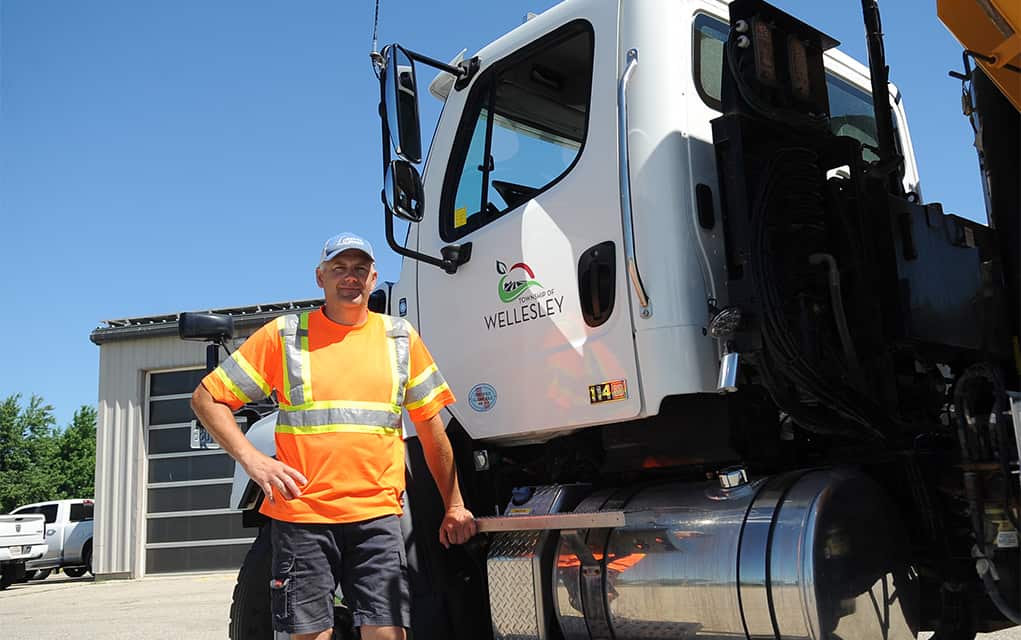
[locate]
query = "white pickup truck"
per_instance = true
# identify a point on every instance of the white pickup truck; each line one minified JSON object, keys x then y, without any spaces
{"x":22,"y":538}
{"x":68,"y":536}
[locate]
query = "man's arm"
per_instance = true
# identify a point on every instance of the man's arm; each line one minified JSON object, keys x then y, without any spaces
{"x":272,"y":475}
{"x":458,"y":524}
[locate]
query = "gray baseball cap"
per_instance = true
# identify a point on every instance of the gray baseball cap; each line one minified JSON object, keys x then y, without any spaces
{"x":341,"y":243}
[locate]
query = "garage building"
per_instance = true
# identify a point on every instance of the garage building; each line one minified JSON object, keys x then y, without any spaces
{"x":162,"y":506}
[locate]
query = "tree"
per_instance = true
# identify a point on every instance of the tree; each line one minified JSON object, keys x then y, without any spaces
{"x":76,"y":455}
{"x":27,"y":451}
{"x":39,"y":462}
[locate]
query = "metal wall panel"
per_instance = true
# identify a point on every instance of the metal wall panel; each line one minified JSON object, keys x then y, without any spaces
{"x":121,"y":460}
{"x":120,"y":446}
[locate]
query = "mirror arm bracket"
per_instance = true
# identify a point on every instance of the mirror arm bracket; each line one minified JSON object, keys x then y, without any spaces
{"x":463,"y":72}
{"x":469,"y":68}
{"x":453,"y":255}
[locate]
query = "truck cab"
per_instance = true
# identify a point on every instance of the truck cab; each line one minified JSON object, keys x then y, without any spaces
{"x":591,"y":200}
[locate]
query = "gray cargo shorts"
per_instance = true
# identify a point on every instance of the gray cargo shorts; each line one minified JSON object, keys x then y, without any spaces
{"x":366,"y":559}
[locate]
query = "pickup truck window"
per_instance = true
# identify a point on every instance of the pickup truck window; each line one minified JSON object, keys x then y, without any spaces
{"x":49,"y":511}
{"x":522,"y":130}
{"x":81,"y":511}
{"x":851,"y":111}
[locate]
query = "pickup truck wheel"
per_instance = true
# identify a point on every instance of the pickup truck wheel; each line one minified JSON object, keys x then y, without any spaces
{"x":250,"y":616}
{"x":75,"y":572}
{"x":38,"y":574}
{"x":87,"y":557}
{"x":10,"y":574}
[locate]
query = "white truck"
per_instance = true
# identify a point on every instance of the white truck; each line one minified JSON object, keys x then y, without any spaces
{"x":69,"y":525}
{"x":22,"y":538}
{"x":722,"y":372}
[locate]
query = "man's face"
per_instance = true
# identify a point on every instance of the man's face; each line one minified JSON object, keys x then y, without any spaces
{"x":348,"y":279}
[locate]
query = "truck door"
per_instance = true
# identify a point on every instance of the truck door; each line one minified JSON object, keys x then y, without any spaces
{"x":79,"y":529}
{"x":535,"y":333}
{"x":54,"y":531}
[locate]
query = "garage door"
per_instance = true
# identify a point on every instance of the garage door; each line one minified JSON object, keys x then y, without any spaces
{"x":189,"y":523}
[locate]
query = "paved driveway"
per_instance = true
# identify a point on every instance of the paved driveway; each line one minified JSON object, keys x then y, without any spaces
{"x":178,"y":607}
{"x":181,"y":606}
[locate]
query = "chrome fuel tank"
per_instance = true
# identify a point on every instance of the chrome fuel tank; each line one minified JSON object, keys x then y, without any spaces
{"x":805,"y":555}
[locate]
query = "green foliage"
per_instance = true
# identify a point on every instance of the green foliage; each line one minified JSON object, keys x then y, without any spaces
{"x":76,"y":456}
{"x":41,"y":462}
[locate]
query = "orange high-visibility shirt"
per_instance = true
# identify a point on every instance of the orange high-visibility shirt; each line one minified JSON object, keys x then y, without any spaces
{"x":354,"y":472}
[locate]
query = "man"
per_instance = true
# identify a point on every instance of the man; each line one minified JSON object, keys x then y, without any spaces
{"x":342,"y":375}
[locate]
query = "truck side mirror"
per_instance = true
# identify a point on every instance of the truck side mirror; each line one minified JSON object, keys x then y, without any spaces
{"x":377,"y":301}
{"x":214,"y":328}
{"x":402,"y":187}
{"x":401,"y":98}
{"x":205,"y":327}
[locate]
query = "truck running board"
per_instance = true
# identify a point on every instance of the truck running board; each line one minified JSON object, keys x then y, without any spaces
{"x":551,"y":522}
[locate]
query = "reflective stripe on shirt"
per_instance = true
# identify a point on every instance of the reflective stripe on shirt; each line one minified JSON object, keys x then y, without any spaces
{"x":304,"y":416}
{"x":425,"y":386}
{"x":242,"y":379}
{"x":340,"y":414}
{"x":397,"y":345}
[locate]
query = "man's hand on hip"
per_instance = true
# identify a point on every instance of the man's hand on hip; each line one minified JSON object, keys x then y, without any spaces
{"x":274,"y":476}
{"x":458,"y":526}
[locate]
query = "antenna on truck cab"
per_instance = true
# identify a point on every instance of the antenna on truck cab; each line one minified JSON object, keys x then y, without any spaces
{"x":378,"y":62}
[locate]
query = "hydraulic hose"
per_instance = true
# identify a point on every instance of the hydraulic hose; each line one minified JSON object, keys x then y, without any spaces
{"x":839,"y":317}
{"x":984,"y":568}
{"x":977,"y":446}
{"x":792,"y":187}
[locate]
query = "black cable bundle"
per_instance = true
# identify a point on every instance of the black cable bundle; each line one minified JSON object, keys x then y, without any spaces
{"x":738,"y":65}
{"x":792,"y":185}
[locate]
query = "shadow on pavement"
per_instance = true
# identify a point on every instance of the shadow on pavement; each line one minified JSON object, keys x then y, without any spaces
{"x":53,"y":579}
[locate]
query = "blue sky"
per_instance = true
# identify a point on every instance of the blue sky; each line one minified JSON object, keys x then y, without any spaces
{"x":158,"y":157}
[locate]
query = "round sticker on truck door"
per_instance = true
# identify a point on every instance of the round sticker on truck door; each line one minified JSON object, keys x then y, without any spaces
{"x":482,"y":397}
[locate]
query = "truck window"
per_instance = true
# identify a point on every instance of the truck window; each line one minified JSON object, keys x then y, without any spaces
{"x":49,"y":511}
{"x":707,"y":60}
{"x":81,"y":511}
{"x":522,"y":130}
{"x":851,"y":111}
{"x":852,"y":115}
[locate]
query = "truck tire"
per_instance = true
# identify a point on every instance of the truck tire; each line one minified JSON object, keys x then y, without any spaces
{"x":77,"y":572}
{"x":250,"y":616}
{"x":87,"y":557}
{"x":249,"y":607}
{"x":11,"y":573}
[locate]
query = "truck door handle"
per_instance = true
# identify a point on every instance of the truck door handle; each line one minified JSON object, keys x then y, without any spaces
{"x":50,"y":532}
{"x":597,"y":282}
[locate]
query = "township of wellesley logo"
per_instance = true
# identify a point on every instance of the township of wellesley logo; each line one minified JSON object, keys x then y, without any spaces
{"x":524,"y":298}
{"x":513,"y":282}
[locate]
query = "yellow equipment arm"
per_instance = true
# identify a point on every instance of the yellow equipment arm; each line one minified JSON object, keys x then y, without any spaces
{"x":992,"y":30}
